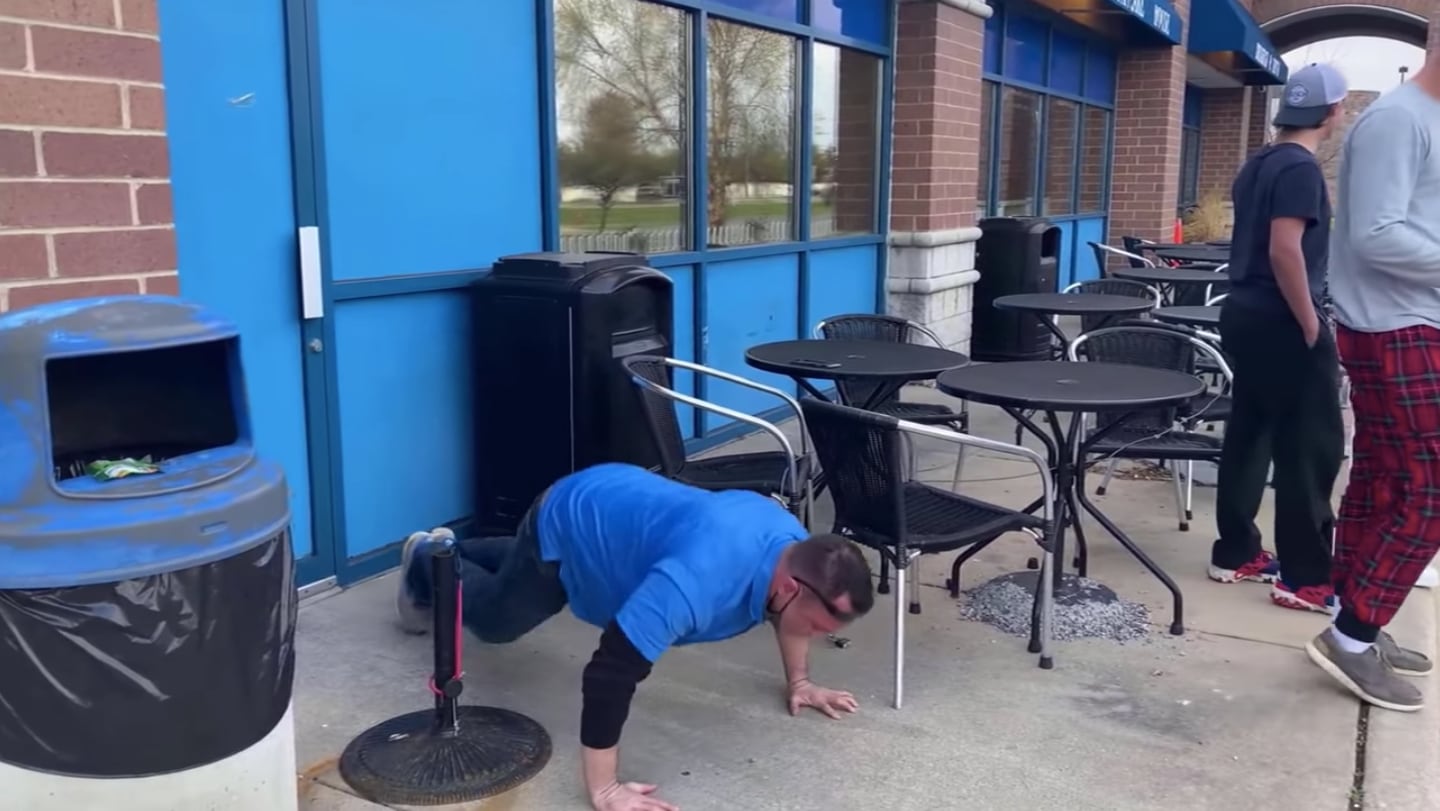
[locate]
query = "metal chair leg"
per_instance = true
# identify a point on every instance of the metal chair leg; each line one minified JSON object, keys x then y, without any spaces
{"x":1109,"y":472}
{"x":1175,"y":476}
{"x":959,"y":468}
{"x":1190,"y":490}
{"x":899,"y":686}
{"x":883,"y":587}
{"x":913,"y":573}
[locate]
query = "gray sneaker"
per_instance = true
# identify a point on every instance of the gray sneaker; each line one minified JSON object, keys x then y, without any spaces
{"x":1367,"y":674}
{"x":1403,"y":660}
{"x":413,"y":618}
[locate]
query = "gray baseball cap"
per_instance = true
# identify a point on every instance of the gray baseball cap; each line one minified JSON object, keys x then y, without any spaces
{"x":1309,"y":94}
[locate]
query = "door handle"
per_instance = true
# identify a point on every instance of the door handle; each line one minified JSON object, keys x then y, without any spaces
{"x":312,"y":299}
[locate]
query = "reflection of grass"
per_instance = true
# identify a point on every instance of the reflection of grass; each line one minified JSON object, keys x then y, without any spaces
{"x":586,"y":216}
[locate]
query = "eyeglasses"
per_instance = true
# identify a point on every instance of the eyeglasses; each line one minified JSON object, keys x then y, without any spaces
{"x":830,"y":608}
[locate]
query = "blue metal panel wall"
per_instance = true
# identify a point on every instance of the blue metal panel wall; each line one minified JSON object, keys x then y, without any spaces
{"x":748,"y":302}
{"x":1090,"y":229}
{"x":841,"y":281}
{"x":431,"y":140}
{"x":684,"y":278}
{"x":405,"y":421}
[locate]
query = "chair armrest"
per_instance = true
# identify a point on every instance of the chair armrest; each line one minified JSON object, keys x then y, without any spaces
{"x":791,"y":402}
{"x":715,"y":408}
{"x":1047,"y":483}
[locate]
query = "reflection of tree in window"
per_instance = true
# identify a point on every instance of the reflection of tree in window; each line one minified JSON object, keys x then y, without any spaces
{"x":621,"y":65}
{"x":750,"y":75}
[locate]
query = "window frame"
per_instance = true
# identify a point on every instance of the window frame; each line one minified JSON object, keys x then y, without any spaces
{"x":997,"y":75}
{"x":699,"y":13}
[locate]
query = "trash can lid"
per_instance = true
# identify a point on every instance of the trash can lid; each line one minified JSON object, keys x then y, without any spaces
{"x":109,"y":323}
{"x":563,"y":266}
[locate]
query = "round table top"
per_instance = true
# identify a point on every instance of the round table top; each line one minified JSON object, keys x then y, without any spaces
{"x":1074,"y":303}
{"x":1211,"y":254}
{"x":1194,"y":316}
{"x":1170,"y":275}
{"x":823,"y":359}
{"x":1057,"y":385}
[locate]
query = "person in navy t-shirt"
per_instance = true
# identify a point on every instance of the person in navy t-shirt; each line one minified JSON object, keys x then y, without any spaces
{"x":655,"y":563}
{"x":1286,"y":401}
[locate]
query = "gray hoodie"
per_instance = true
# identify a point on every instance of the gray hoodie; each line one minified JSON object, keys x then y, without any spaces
{"x":1385,"y":244}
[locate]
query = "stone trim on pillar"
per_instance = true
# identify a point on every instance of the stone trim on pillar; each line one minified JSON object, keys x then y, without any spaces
{"x":936,"y":159}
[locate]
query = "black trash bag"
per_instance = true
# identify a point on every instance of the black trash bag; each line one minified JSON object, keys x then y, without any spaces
{"x":150,"y":675}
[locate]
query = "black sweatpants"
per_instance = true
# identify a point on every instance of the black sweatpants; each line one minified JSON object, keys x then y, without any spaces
{"x":1286,"y":410}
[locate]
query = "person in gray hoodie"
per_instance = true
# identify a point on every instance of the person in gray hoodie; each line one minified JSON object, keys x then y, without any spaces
{"x":1385,"y":288}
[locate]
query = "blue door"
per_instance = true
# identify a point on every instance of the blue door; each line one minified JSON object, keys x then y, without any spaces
{"x":423,"y":120}
{"x":229,"y":121}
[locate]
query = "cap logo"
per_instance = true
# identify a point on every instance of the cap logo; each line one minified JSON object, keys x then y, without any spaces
{"x":1296,"y":95}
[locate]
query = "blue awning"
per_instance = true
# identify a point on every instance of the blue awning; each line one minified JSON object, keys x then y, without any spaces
{"x":1225,"y":34}
{"x":1138,"y":22}
{"x":1157,"y":15}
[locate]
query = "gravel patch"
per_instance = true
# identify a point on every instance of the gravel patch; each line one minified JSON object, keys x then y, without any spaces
{"x":1090,"y":611}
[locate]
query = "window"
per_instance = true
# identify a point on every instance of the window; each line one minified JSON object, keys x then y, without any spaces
{"x":987,"y":125}
{"x":1052,"y":88}
{"x":627,"y":79}
{"x":845,"y":141}
{"x":750,"y":160}
{"x":621,"y":103}
{"x":1019,"y":149}
{"x":1190,"y":148}
{"x":1094,"y":176}
{"x":1062,"y":130}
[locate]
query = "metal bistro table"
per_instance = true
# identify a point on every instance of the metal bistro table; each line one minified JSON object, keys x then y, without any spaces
{"x":1196,"y":254}
{"x":891,"y":365}
{"x":1080,"y":388}
{"x":1203,"y":317}
{"x":1044,"y":305}
{"x":1167,"y":279}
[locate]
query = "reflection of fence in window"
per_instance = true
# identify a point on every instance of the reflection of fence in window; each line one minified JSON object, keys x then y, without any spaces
{"x":669,"y":240}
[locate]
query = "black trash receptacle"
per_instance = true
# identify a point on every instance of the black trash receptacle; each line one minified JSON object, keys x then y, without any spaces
{"x":1014,"y":255}
{"x":550,"y":395}
{"x":147,"y":614}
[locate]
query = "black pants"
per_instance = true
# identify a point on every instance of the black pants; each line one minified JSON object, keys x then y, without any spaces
{"x":1286,"y":410}
{"x":506,"y":590}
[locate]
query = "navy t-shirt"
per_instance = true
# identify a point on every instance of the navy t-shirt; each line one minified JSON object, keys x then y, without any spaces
{"x":670,"y":563}
{"x":1281,"y":180}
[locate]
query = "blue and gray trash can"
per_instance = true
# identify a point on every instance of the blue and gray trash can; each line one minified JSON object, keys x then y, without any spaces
{"x":147,"y":609}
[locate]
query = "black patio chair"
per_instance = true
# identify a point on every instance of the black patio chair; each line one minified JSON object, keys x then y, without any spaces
{"x":1136,"y":247}
{"x":1207,"y":409}
{"x":893,"y":329}
{"x":1155,"y":433}
{"x":1103,"y":253}
{"x":879,"y":504}
{"x":785,"y":475}
{"x":1110,"y":287}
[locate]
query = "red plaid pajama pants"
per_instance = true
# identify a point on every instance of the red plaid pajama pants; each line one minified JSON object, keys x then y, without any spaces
{"x":1389,"y":524}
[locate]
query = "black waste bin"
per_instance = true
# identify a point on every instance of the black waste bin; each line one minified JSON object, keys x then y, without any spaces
{"x":1014,"y":255}
{"x":550,"y":394}
{"x":146,"y":620}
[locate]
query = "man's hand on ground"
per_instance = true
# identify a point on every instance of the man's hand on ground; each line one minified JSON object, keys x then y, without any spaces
{"x":831,"y":702}
{"x":629,"y":797}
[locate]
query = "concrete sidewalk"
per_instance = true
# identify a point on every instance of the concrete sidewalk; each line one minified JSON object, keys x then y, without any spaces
{"x":1230,"y":715}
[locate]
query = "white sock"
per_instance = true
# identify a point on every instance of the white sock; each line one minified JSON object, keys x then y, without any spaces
{"x":1348,"y":644}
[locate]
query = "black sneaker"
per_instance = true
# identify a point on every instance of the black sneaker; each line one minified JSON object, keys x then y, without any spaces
{"x":1367,"y":674}
{"x":1403,"y":660}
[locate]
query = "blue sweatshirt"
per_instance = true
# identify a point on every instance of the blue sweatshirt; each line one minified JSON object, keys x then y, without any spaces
{"x":1385,"y":246}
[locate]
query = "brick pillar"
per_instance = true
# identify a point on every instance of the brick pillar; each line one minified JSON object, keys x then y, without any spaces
{"x":936,"y":164}
{"x":84,"y":167}
{"x":1224,"y":130}
{"x":1149,"y":108}
{"x":856,"y":143}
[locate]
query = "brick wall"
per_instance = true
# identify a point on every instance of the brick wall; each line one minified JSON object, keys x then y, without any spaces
{"x":1329,"y":152}
{"x":1149,"y":108}
{"x":1224,"y":131}
{"x":937,"y":118}
{"x":1259,"y":120}
{"x":84,"y":190}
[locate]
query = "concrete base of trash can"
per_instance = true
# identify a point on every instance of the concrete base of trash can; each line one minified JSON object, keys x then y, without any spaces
{"x":261,"y":778}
